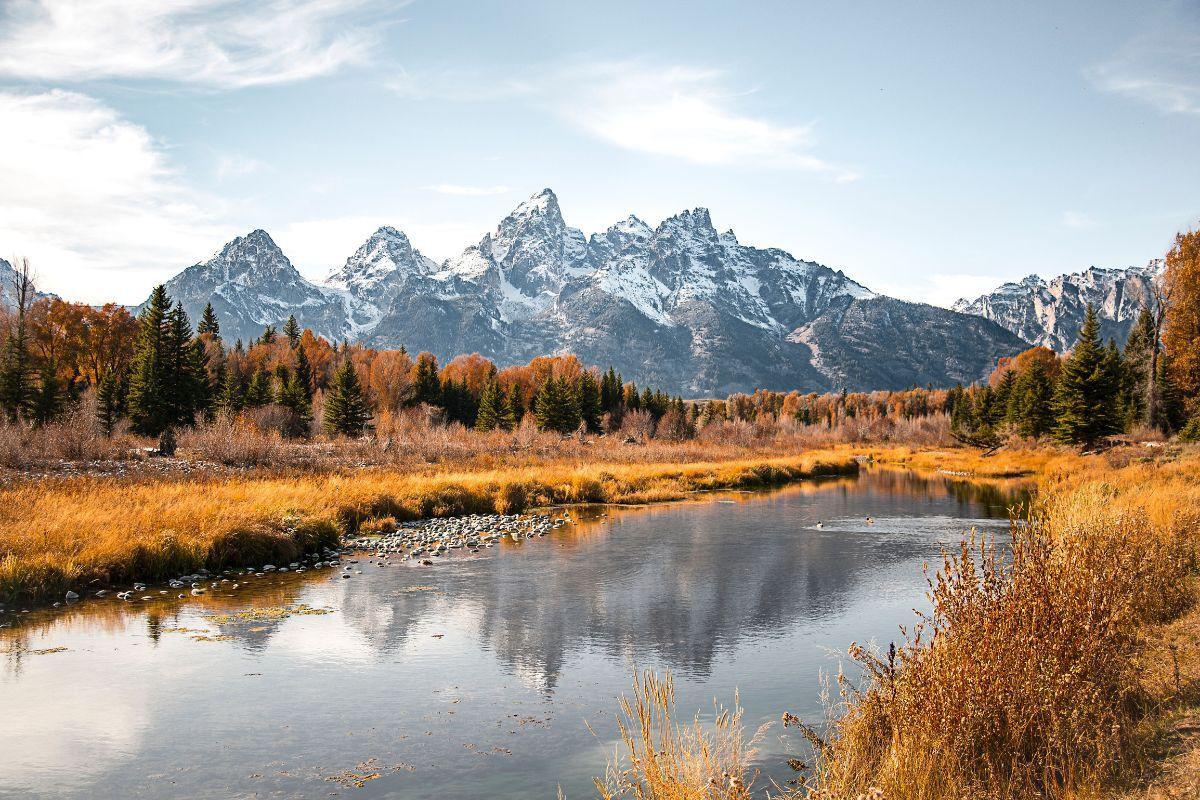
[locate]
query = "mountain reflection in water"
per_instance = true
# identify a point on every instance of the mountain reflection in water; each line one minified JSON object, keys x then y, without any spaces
{"x":474,"y":677}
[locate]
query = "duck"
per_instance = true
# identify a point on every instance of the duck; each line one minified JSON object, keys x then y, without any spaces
{"x":870,"y":521}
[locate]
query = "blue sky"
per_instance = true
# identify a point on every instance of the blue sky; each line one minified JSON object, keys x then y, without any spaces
{"x":931,"y":150}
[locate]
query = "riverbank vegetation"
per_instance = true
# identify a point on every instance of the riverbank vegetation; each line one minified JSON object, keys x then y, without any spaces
{"x":58,"y":534}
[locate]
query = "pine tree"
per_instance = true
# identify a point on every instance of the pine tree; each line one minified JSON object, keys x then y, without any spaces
{"x":48,"y":400}
{"x":232,"y":397}
{"x":494,"y":411}
{"x":590,"y":407}
{"x":293,"y":397}
{"x":149,"y":400}
{"x":557,"y":408}
{"x":108,"y":402}
{"x":1135,"y":378}
{"x":304,"y":377}
{"x":291,"y":330}
{"x":268,"y":335}
{"x":427,"y":388}
{"x":259,"y":393}
{"x":1033,"y":398}
{"x":516,"y":404}
{"x":208,"y":322}
{"x":346,"y":410}
{"x":1085,"y":401}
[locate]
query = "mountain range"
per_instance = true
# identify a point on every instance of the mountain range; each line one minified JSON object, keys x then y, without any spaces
{"x":679,"y":306}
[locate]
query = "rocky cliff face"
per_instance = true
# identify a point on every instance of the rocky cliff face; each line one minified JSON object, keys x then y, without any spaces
{"x":1050,"y":313}
{"x":679,"y":306}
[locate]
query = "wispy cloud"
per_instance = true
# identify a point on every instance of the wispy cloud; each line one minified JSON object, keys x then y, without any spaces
{"x":1160,"y":66}
{"x":92,"y":199}
{"x":686,"y":113}
{"x":939,"y":288}
{"x":215,"y":43}
{"x":1077,"y":220}
{"x":467,"y":191}
{"x":677,"y":111}
{"x":231,"y":166}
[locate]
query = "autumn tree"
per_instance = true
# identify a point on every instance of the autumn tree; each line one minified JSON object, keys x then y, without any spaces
{"x":1181,"y":329}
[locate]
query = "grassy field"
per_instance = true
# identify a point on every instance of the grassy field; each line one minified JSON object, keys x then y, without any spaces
{"x":56,"y":534}
{"x":1068,"y":669}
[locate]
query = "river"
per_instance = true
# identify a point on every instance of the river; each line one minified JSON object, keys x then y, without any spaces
{"x":492,"y":675}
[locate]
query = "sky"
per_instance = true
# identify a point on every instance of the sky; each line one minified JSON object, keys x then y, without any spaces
{"x":930,"y":150}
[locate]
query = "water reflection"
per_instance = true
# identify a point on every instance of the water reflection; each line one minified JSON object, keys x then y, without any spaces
{"x":416,"y":664}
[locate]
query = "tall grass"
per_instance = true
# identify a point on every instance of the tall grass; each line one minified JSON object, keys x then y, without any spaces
{"x":1040,"y":668}
{"x":55,"y":534}
{"x":664,"y":759}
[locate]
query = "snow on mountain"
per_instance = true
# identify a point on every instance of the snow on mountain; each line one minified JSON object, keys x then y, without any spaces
{"x":679,"y":305}
{"x":1050,"y":313}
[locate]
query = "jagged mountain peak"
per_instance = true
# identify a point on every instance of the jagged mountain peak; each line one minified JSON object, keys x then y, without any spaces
{"x":380,"y":267}
{"x":1049,"y":313}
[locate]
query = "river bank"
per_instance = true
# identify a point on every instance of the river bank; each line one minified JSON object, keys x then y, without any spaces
{"x":87,"y":532}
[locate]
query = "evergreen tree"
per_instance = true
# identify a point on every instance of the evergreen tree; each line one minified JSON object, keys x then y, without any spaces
{"x":291,"y":330}
{"x":1135,"y":376}
{"x":1033,"y":398}
{"x":1086,"y":398}
{"x":208,"y":322}
{"x":108,"y":402}
{"x":232,"y":397}
{"x":590,"y":406}
{"x":1170,"y":411}
{"x":516,"y":404}
{"x":268,"y":335}
{"x":494,"y":411}
{"x":458,"y":403}
{"x":557,"y":409}
{"x":48,"y":400}
{"x":347,"y":412}
{"x":304,"y":376}
{"x":149,"y":393}
{"x":259,"y":393}
{"x":293,"y":397}
{"x":427,"y":388}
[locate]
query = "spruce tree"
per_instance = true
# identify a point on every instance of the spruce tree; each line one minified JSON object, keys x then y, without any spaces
{"x":48,"y":399}
{"x":149,"y":395}
{"x":293,"y":397}
{"x":346,"y":410}
{"x":590,"y":406}
{"x":108,"y":402}
{"x":268,"y":335}
{"x":208,"y":322}
{"x":1135,"y":378}
{"x":291,"y":330}
{"x":232,"y":396}
{"x":1086,"y":397}
{"x":304,"y":377}
{"x":427,"y":388}
{"x":259,"y":393}
{"x":493,"y":409}
{"x":516,"y":404}
{"x":557,"y":408}
{"x":1033,"y":398}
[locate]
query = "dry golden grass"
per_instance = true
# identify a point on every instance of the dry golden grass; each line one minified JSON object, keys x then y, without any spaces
{"x":1065,"y":666}
{"x":55,"y":534}
{"x":665,"y":760}
{"x":1029,"y":678}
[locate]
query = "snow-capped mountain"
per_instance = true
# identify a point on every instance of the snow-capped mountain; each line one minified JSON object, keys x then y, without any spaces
{"x":251,"y":284}
{"x":1049,"y":313}
{"x":679,"y":306}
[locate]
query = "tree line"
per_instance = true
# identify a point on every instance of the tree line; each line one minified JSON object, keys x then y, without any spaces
{"x":160,"y":374}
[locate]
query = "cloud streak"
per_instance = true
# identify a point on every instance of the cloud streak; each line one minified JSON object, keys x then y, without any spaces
{"x":225,"y":44}
{"x":1160,"y":67}
{"x":676,"y":111}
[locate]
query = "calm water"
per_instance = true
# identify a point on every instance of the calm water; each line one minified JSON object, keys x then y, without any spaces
{"x":475,"y":677}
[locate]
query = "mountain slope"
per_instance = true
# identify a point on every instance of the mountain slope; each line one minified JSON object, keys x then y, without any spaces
{"x":251,"y":284}
{"x":679,"y":306}
{"x":1049,"y":313}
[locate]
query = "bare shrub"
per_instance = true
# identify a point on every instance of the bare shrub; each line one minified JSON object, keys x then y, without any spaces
{"x":74,"y":437}
{"x":637,"y":424}
{"x":232,"y":440}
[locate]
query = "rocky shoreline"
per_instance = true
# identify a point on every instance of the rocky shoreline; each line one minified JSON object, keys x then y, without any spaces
{"x":419,"y":540}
